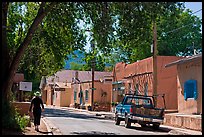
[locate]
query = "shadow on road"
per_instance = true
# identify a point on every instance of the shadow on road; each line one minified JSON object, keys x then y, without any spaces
{"x":92,"y":133}
{"x":52,"y":112}
{"x":149,"y":128}
{"x":46,"y":133}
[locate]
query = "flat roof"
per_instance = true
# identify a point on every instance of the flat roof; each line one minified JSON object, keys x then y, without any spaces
{"x":184,"y":60}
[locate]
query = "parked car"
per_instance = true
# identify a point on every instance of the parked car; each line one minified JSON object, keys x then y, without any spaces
{"x":139,"y":109}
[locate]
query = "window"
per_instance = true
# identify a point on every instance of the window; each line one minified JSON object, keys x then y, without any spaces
{"x":137,"y":92}
{"x":129,"y":88}
{"x":86,"y":95}
{"x":145,"y":91}
{"x":75,"y":95}
{"x":190,"y":89}
{"x":137,"y":89}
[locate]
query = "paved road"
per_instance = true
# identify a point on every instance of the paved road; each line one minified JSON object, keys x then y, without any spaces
{"x":71,"y":122}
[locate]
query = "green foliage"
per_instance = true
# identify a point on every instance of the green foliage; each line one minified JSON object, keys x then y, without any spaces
{"x":11,"y":118}
{"x":177,"y":33}
{"x":8,"y":116}
{"x":98,"y":62}
{"x":134,"y":30}
{"x":122,"y":31}
{"x":75,"y":66}
{"x":22,"y":121}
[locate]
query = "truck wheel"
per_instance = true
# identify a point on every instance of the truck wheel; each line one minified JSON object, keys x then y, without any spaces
{"x":127,"y":122}
{"x":156,"y":126}
{"x":117,"y":120}
{"x":143,"y":125}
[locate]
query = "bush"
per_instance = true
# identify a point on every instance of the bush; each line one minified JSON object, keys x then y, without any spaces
{"x":11,"y":119}
{"x":22,"y":121}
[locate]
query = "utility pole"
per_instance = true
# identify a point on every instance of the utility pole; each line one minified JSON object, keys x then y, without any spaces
{"x":92,"y":70}
{"x":155,"y":61}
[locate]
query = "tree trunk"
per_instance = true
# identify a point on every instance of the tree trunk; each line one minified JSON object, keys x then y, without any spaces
{"x":8,"y":77}
{"x":5,"y":60}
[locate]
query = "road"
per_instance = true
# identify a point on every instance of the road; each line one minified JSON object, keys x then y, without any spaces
{"x":71,"y":122}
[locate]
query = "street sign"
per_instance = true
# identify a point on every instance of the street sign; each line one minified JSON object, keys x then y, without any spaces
{"x":93,"y":88}
{"x":25,"y":86}
{"x":59,"y":89}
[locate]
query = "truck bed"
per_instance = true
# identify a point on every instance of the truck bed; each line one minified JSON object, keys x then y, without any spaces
{"x":155,"y":112}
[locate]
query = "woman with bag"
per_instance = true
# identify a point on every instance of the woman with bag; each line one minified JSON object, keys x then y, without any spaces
{"x":36,"y":107}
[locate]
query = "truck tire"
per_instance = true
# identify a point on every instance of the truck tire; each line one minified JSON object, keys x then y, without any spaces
{"x":117,"y":120}
{"x":143,"y":125}
{"x":127,"y":122}
{"x":156,"y":126}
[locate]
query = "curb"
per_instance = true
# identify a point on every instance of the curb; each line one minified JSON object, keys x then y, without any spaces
{"x":47,"y":126}
{"x":51,"y":128}
{"x":179,"y":131}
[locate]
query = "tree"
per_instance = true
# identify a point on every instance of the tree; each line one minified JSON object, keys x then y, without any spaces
{"x":49,"y":45}
{"x":133,"y":30}
{"x":76,"y":66}
{"x":99,"y":62}
{"x":179,"y":34}
{"x":10,"y":65}
{"x":121,"y":28}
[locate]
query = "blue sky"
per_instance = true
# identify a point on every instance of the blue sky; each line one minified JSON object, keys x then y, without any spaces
{"x":195,"y":6}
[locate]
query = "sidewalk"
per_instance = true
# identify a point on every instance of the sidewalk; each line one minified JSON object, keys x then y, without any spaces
{"x":42,"y":129}
{"x":110,"y":115}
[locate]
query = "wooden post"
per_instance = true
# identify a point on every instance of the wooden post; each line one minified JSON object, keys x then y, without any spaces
{"x":155,"y":61}
{"x":92,"y":70}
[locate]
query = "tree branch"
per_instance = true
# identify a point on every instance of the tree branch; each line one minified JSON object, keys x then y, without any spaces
{"x":42,"y":12}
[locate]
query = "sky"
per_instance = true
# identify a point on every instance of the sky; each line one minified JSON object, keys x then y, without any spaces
{"x":195,"y":6}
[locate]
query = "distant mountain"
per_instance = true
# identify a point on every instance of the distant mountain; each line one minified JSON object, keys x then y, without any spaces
{"x":77,"y":58}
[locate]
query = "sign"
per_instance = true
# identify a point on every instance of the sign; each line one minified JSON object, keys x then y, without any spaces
{"x":25,"y":86}
{"x":59,"y":89}
{"x":93,"y":88}
{"x":152,"y":48}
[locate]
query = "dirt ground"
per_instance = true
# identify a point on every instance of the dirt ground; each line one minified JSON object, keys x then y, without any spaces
{"x":28,"y":130}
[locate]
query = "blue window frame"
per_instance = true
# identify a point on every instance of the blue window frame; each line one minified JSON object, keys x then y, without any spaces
{"x":190,"y":89}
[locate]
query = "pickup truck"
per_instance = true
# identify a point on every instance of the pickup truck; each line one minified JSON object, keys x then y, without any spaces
{"x":139,"y":109}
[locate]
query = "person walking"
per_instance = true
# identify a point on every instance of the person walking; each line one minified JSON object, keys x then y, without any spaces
{"x":35,"y":107}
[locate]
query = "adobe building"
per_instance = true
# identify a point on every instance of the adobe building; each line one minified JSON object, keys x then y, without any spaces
{"x":18,"y":77}
{"x":189,"y":92}
{"x":82,"y":89}
{"x":56,"y":90}
{"x":70,"y":88}
{"x":138,"y":78}
{"x":22,"y":107}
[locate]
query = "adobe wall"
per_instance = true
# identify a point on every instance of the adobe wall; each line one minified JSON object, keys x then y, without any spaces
{"x":22,"y":107}
{"x":118,"y":71}
{"x":65,"y":97}
{"x":49,"y":100}
{"x":100,"y":88}
{"x":167,"y":81}
{"x":188,"y":71}
{"x":44,"y":96}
